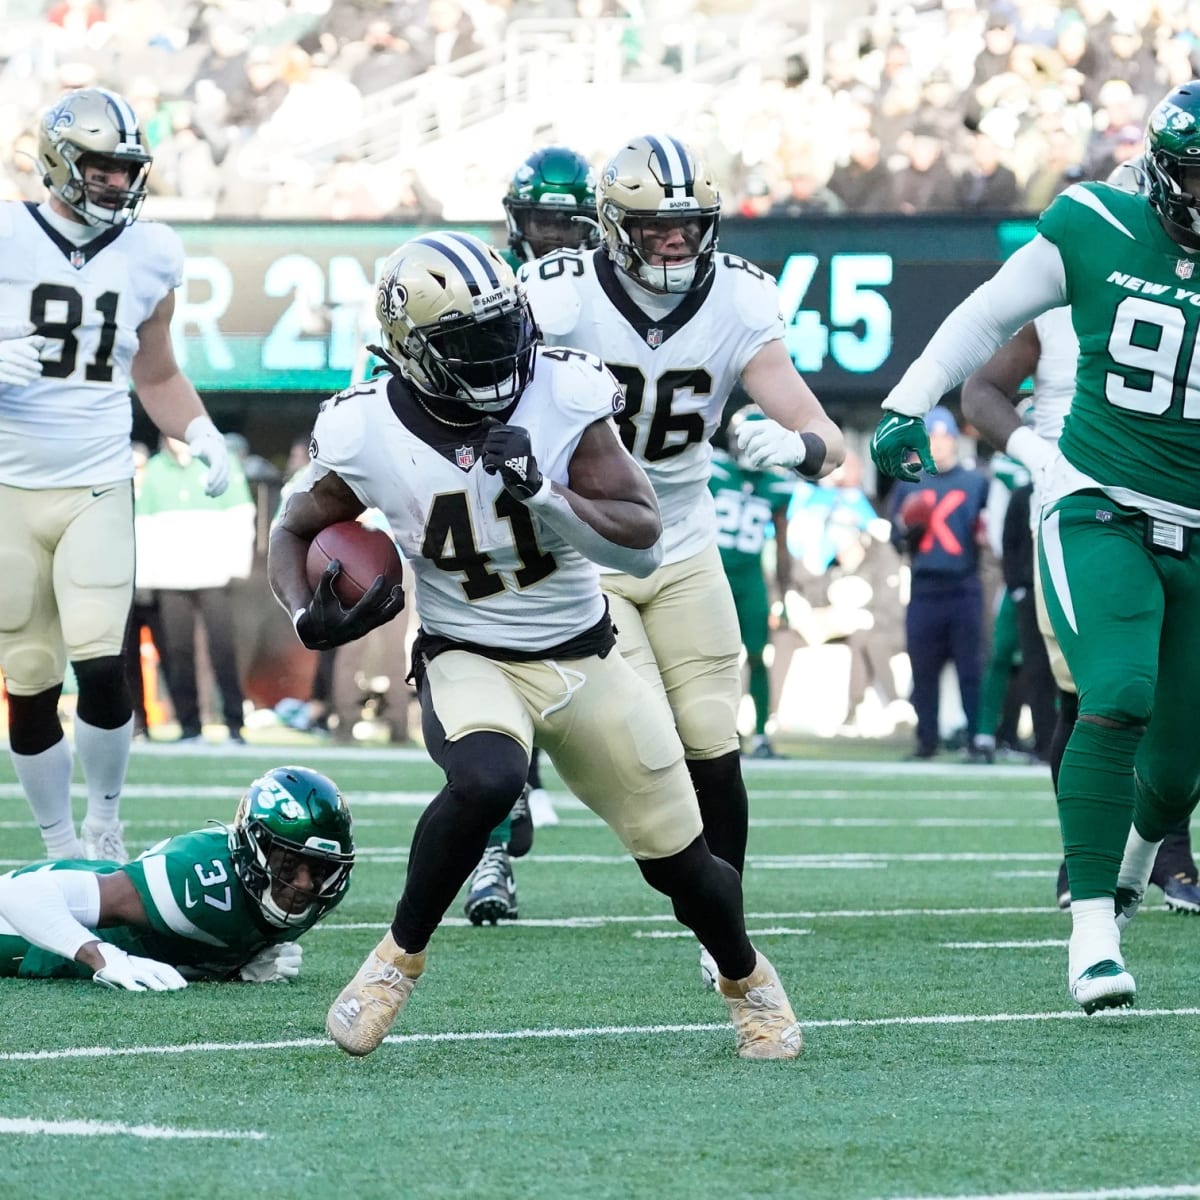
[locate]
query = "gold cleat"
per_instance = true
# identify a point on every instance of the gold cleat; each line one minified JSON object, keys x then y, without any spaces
{"x":763,"y":1019}
{"x":359,"y":1019}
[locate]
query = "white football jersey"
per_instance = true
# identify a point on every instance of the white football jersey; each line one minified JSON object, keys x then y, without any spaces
{"x":677,"y":372}
{"x":487,"y":569}
{"x":1054,"y":376}
{"x":72,"y":427}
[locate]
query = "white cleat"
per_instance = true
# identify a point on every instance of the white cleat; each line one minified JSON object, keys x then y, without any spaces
{"x":708,"y":970}
{"x":1105,"y":984}
{"x":103,"y":843}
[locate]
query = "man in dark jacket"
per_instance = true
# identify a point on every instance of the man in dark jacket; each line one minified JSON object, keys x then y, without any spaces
{"x":939,"y":521}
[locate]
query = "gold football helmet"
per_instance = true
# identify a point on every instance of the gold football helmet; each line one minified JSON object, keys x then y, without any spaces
{"x":94,"y":127}
{"x":659,"y":209}
{"x":454,"y":322}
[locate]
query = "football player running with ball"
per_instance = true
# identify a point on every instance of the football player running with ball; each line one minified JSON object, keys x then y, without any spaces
{"x":678,"y":323}
{"x":1118,"y":554}
{"x":496,"y":464}
{"x":218,"y":903}
{"x":86,"y":297}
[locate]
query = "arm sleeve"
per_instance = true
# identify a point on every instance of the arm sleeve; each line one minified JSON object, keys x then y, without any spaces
{"x":555,"y":510}
{"x":52,"y":909}
{"x":1029,"y":283}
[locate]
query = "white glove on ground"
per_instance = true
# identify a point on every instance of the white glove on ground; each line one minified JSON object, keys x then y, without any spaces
{"x":768,"y":444}
{"x":20,"y":354}
{"x":273,"y":964}
{"x":134,"y":974}
{"x":206,"y":443}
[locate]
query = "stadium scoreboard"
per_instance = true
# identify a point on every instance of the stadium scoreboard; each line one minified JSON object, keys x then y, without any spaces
{"x":288,"y":307}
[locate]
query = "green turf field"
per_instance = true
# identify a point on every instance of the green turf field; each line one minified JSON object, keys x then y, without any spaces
{"x":573,"y":1054}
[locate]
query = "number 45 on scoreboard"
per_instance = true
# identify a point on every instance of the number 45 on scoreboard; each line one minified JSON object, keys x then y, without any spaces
{"x":859,"y":315}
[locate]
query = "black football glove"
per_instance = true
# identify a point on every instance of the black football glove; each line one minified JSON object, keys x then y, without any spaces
{"x":325,"y":623}
{"x":506,"y":450}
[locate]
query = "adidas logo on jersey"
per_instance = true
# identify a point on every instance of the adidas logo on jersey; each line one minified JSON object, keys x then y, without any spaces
{"x":518,"y":466}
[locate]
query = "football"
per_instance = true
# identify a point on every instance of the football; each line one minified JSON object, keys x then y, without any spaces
{"x":364,"y":553}
{"x":917,"y":508}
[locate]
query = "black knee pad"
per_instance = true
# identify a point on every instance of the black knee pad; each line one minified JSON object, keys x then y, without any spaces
{"x":105,"y":700}
{"x":488,"y":770}
{"x":675,"y":873}
{"x":33,"y":724}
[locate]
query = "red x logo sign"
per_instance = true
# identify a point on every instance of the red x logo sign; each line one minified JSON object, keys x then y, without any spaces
{"x":938,"y":530}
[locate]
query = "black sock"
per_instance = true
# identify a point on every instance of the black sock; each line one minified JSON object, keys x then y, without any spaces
{"x":724,"y":808}
{"x":485,"y":773}
{"x":706,"y":894}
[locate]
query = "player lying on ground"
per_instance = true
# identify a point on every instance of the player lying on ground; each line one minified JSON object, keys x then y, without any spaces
{"x":217,"y":903}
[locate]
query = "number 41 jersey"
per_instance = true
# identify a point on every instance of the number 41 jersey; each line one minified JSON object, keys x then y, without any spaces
{"x":71,"y":427}
{"x":677,"y":370}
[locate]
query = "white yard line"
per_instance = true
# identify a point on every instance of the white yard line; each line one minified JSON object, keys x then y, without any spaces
{"x":595,"y":922}
{"x":593,"y":1031}
{"x":29,"y":1125}
{"x":780,"y":930}
{"x":1033,"y":945}
{"x":1161,"y":1192}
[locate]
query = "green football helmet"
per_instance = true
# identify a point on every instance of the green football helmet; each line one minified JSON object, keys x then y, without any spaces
{"x":551,"y":204}
{"x":1173,"y":150}
{"x":292,"y":845}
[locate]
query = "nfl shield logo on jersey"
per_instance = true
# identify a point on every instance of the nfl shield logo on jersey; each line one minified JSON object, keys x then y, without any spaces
{"x":465,"y":457}
{"x":78,"y":259}
{"x":1184,"y":268}
{"x":654,"y":338}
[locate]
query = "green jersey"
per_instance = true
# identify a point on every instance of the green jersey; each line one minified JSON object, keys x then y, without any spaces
{"x":202,"y":920}
{"x":745,"y":502}
{"x":1134,"y":423}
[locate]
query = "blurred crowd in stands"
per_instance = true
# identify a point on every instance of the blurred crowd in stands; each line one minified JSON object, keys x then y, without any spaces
{"x":254,"y":108}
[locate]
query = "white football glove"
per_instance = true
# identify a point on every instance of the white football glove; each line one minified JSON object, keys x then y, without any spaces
{"x":273,"y":964}
{"x":134,"y":974}
{"x":767,"y":444}
{"x":206,"y":443}
{"x":20,"y":354}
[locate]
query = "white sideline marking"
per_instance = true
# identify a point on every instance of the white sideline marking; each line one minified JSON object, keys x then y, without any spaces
{"x":28,"y":1125}
{"x":687,"y":933}
{"x":1163,"y":1192}
{"x":1004,"y":945}
{"x":494,"y":1035}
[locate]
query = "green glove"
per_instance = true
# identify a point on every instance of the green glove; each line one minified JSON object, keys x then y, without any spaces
{"x":895,"y":438}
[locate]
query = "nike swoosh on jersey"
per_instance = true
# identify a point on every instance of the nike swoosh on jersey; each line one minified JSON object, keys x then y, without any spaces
{"x":101,"y":492}
{"x":188,"y":902}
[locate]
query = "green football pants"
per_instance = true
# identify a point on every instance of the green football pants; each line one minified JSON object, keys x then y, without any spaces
{"x":1125,"y":617}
